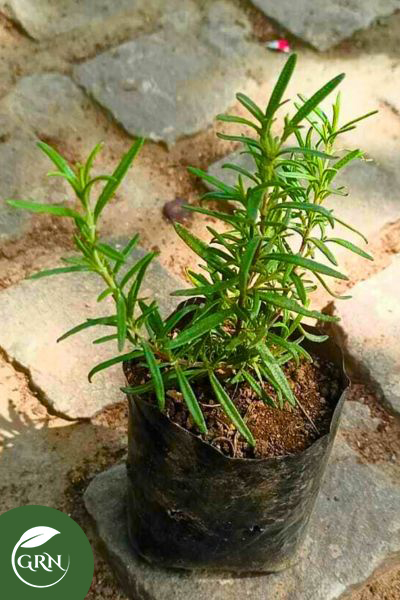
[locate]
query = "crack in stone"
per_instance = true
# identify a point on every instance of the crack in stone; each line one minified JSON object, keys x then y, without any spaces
{"x":391,"y":107}
{"x":36,"y":390}
{"x":10,"y":22}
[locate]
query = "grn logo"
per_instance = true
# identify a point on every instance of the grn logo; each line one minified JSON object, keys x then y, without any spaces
{"x":44,"y":554}
{"x":53,"y":568}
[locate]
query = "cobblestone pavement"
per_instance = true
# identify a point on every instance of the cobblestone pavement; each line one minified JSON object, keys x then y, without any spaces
{"x":73,"y":73}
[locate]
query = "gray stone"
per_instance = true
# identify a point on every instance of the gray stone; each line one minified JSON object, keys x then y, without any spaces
{"x":373,"y":199}
{"x":47,"y":18}
{"x":372,"y":203}
{"x":172,"y":83}
{"x":356,"y":415}
{"x":12,"y":223}
{"x":182,"y":16}
{"x":36,"y":108}
{"x":325,"y":24}
{"x":354,"y":529}
{"x":36,"y":313}
{"x":227,"y":175}
{"x":370,"y":328}
{"x":51,"y":106}
{"x":23,"y":168}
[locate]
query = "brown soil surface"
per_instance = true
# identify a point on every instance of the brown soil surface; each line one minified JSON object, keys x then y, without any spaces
{"x":387,"y":587}
{"x":382,"y":444}
{"x":277,"y":432}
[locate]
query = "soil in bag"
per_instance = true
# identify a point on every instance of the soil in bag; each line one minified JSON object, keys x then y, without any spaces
{"x":317,"y":387}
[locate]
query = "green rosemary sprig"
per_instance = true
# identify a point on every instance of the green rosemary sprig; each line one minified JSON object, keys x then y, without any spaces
{"x":243,"y":319}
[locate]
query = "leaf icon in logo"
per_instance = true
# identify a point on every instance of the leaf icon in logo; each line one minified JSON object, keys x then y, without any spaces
{"x":36,"y":537}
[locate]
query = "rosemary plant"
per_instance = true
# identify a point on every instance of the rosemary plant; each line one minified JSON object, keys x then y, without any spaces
{"x":243,"y":319}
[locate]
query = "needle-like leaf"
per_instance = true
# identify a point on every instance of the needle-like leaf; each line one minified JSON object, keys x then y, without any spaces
{"x":50,"y":209}
{"x":306,"y":263}
{"x":110,"y":321}
{"x":60,"y":163}
{"x":155,"y":373}
{"x":251,"y":107}
{"x":230,"y":409}
{"x":276,"y":372}
{"x":198,"y":329}
{"x":121,"y":321}
{"x":190,"y":400}
{"x":118,"y":175}
{"x":293,"y":306}
{"x":134,"y":355}
{"x":315,"y":100}
{"x":59,"y":271}
{"x":245,"y":263}
{"x":352,"y":247}
{"x":280,"y":86}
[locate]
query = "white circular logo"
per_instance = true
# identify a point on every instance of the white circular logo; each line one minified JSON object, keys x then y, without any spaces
{"x":35,"y":560}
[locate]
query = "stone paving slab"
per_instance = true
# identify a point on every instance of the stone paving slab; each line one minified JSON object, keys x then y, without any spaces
{"x":44,"y":18}
{"x":36,"y":108}
{"x":354,"y":529}
{"x":51,"y":107}
{"x":358,"y":416}
{"x":325,"y":24}
{"x":370,"y":328}
{"x":372,"y":203}
{"x":23,"y":175}
{"x":35,"y":313}
{"x":172,"y":83}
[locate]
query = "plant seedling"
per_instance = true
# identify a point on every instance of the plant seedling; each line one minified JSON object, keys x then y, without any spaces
{"x":252,"y":292}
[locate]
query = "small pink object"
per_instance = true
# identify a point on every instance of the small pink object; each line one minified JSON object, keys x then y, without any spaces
{"x":279,"y":46}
